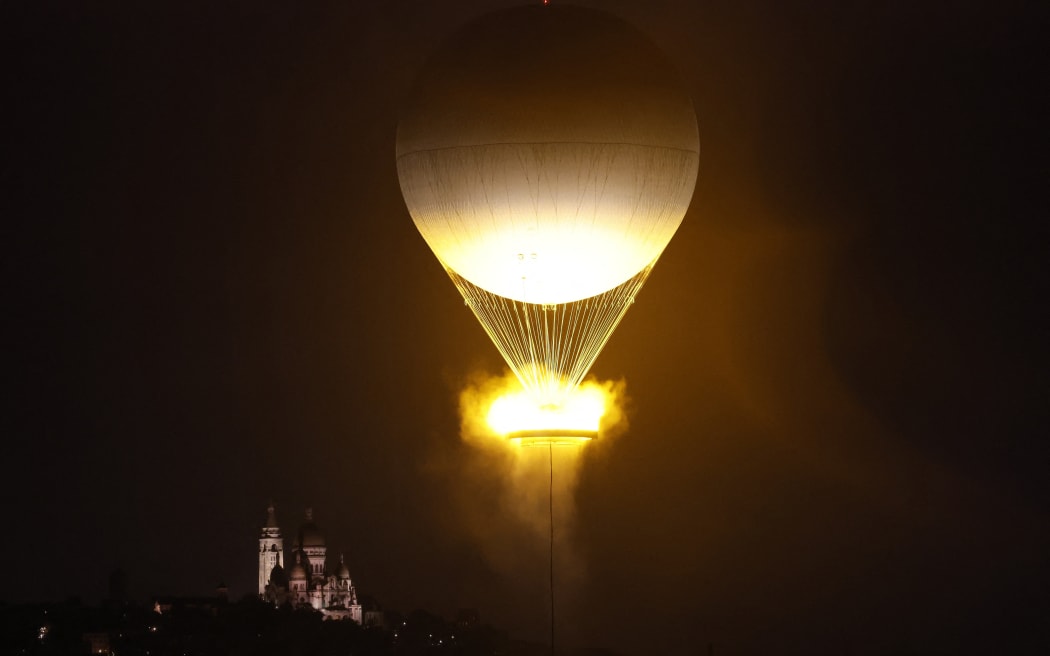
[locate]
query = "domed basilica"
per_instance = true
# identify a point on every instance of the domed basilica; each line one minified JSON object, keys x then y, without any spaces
{"x":307,"y":582}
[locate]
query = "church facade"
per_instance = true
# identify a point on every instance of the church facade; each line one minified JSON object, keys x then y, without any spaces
{"x":308,"y":582}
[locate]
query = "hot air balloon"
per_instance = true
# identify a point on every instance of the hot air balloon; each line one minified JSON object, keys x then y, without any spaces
{"x":547,"y":155}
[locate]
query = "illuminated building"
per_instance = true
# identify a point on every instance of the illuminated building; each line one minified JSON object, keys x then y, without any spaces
{"x":308,"y":582}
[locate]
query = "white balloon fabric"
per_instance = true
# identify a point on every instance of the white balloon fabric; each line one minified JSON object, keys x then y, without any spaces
{"x":548,"y":154}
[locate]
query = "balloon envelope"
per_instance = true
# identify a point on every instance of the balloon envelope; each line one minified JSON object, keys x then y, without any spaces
{"x":548,"y":154}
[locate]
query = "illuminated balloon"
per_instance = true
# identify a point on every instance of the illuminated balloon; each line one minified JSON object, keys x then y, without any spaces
{"x":547,"y":156}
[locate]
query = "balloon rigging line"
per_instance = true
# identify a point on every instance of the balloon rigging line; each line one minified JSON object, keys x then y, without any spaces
{"x":550,"y":347}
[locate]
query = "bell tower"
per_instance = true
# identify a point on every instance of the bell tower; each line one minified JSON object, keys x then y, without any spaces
{"x":271,"y":548}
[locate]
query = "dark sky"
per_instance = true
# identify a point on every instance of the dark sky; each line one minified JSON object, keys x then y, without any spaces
{"x":838,"y":387}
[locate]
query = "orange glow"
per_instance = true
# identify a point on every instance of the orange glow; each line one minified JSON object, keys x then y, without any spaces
{"x":517,"y":416}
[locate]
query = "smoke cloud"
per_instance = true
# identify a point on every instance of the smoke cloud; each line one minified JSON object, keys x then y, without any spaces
{"x":515,"y":500}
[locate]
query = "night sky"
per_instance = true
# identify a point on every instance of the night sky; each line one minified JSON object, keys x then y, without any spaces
{"x":837,"y":379}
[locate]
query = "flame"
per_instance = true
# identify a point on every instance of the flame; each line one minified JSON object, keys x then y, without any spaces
{"x":577,"y":418}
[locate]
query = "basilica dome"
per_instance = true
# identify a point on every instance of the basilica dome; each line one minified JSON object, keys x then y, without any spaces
{"x":309,"y":534}
{"x":279,"y":577}
{"x":298,"y":571}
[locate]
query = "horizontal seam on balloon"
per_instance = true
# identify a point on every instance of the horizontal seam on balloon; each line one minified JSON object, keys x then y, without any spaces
{"x":550,"y":143}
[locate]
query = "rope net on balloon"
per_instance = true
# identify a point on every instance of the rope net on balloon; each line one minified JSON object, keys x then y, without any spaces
{"x":550,"y":347}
